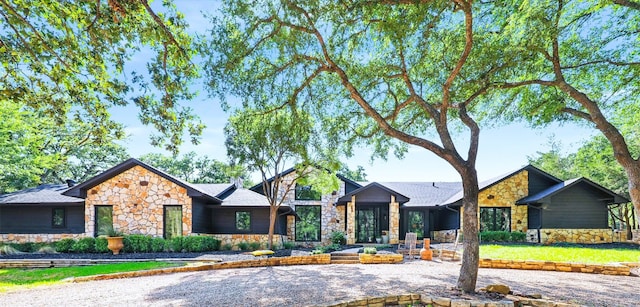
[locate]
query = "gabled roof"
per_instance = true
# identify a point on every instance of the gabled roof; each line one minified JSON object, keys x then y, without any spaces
{"x":493,"y":181}
{"x":425,"y":193}
{"x":400,"y":198}
{"x":80,"y":190}
{"x":42,"y":194}
{"x":544,"y":195}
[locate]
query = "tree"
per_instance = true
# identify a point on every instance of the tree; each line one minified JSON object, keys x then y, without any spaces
{"x":356,"y":175}
{"x":579,"y":60}
{"x":70,"y":59}
{"x":193,"y":168}
{"x":268,"y":142}
{"x":389,"y":74}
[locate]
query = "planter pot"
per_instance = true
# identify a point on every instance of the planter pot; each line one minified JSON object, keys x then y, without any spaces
{"x":385,"y":239}
{"x":378,"y":240}
{"x":115,"y":244}
{"x":426,"y":253}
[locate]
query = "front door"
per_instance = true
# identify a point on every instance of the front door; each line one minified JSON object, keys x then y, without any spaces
{"x":366,"y":225}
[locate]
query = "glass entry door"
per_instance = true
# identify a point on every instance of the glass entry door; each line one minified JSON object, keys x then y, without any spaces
{"x":366,"y":225}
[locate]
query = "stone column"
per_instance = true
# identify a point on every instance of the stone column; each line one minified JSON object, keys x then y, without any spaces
{"x":394,"y":221}
{"x":291,"y":228}
{"x":351,"y":221}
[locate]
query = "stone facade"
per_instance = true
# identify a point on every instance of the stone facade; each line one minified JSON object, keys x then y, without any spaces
{"x":583,"y":236}
{"x":38,"y":237}
{"x":138,"y":197}
{"x":233,"y":240}
{"x":351,"y":220}
{"x":505,"y":194}
{"x":636,"y":235}
{"x":445,"y":236}
{"x":394,"y":221}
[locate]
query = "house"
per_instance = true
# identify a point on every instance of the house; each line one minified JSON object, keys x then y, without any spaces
{"x":139,"y":199}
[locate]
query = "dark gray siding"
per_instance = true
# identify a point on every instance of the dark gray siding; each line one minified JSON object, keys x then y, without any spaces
{"x":577,"y":207}
{"x":539,"y":182}
{"x":445,"y":219}
{"x":348,"y":187}
{"x":404,"y":224}
{"x":38,"y":219}
{"x":201,"y":216}
{"x":373,"y":195}
{"x":533,"y":217}
{"x":224,"y":221}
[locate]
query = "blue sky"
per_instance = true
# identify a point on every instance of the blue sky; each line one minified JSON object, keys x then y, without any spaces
{"x":502,"y":149}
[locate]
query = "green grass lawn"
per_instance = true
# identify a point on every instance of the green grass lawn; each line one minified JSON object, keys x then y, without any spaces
{"x":18,"y":278}
{"x":559,"y":253}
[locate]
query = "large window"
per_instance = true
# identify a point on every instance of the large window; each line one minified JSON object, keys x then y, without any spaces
{"x":309,"y":225}
{"x":104,"y":220}
{"x":416,"y":223}
{"x":243,"y":221}
{"x":495,"y":219}
{"x":172,"y":221}
{"x":306,"y":192}
{"x":58,"y":218}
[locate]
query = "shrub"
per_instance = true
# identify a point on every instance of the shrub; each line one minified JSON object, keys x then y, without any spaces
{"x":65,"y":245}
{"x":502,"y":236}
{"x":27,"y":247}
{"x":137,"y":243}
{"x":370,"y":250}
{"x":84,"y":245}
{"x":227,"y":247}
{"x":175,"y":244}
{"x":46,"y":249}
{"x":518,"y":236}
{"x":288,"y":245}
{"x":243,"y":246}
{"x":254,"y":246}
{"x":317,"y":251}
{"x":158,"y":245}
{"x":101,"y":245}
{"x":9,"y":250}
{"x":337,"y":237}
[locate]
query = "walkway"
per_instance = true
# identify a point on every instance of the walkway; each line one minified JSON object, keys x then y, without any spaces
{"x":320,"y":285}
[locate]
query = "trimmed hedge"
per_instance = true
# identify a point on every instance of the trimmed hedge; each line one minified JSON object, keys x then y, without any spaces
{"x":84,"y":245}
{"x":503,"y":236}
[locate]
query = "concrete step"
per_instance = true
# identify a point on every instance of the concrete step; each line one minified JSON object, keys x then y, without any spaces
{"x":344,"y":254}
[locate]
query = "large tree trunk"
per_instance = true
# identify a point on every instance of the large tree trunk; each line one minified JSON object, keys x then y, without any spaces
{"x":471,"y":253}
{"x":633,"y":173}
{"x":273,"y":213}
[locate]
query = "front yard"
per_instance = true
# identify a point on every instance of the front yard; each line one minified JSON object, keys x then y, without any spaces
{"x":582,"y":254}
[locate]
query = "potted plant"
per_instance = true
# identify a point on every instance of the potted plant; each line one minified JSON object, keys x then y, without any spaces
{"x":385,"y":237}
{"x":378,"y":240}
{"x":114,"y":241}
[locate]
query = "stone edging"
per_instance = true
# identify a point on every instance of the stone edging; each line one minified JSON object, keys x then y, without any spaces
{"x":418,"y":299}
{"x":275,"y":261}
{"x":607,"y":269}
{"x":380,"y":258}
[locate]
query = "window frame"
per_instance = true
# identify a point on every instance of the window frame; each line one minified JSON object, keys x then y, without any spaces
{"x":319,"y":233}
{"x":53,"y":217}
{"x":96,"y":219}
{"x":164,"y":220}
{"x":235,"y":224}
{"x":307,"y":189}
{"x":421,"y":234}
{"x":494,"y":218}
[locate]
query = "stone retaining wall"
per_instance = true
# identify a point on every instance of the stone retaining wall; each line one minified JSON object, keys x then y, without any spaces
{"x":37,"y":237}
{"x":427,"y":300}
{"x":444,"y":236}
{"x":583,"y":236}
{"x":380,"y":258}
{"x":636,"y":235}
{"x":247,"y":238}
{"x":607,"y":269}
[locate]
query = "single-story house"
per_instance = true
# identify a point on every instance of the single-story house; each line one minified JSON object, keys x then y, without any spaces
{"x":137,"y":198}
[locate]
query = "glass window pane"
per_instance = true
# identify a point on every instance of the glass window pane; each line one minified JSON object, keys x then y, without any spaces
{"x":416,"y":223}
{"x":104,"y":220}
{"x":308,"y":227}
{"x":58,"y":217}
{"x":172,"y":221}
{"x":243,"y":220}
{"x":306,"y":192}
{"x":495,"y":219}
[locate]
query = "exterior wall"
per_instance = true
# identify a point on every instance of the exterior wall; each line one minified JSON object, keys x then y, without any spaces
{"x":29,"y":219}
{"x":583,"y":203}
{"x":583,"y":236}
{"x":505,"y":194}
{"x":38,"y":237}
{"x":234,"y":239}
{"x":394,"y":221}
{"x":351,"y":220}
{"x":636,"y":235}
{"x":223,"y":221}
{"x":138,"y":197}
{"x":445,"y":236}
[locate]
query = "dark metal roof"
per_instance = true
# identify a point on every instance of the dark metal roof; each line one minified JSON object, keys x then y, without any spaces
{"x":80,"y":190}
{"x":563,"y":186}
{"x":400,"y":198}
{"x":42,"y":194}
{"x":423,"y":194}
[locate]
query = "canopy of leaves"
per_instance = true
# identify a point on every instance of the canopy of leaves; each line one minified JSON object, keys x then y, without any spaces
{"x":69,"y":59}
{"x":193,"y":168}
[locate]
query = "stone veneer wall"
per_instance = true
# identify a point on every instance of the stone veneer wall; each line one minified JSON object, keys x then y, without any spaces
{"x":505,"y":194}
{"x":351,"y":220}
{"x":38,"y":237}
{"x":138,"y":197}
{"x":331,"y":218}
{"x":584,"y":236}
{"x":234,"y":239}
{"x":636,"y":235}
{"x":394,"y":221}
{"x":445,"y":236}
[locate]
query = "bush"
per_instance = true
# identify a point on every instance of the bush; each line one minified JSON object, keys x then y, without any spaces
{"x":243,"y":246}
{"x":212,"y":243}
{"x":288,"y":245}
{"x":84,"y":245}
{"x":28,"y":247}
{"x":518,"y":236}
{"x":64,"y":245}
{"x":227,"y":247}
{"x":502,"y":236}
{"x":254,"y":246}
{"x":200,"y":243}
{"x":370,"y":250}
{"x":137,"y":244}
{"x":175,"y":244}
{"x":337,"y":237}
{"x":158,"y":245}
{"x":101,"y":245}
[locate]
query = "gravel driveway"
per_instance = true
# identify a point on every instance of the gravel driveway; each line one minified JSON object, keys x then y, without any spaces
{"x":320,"y":285}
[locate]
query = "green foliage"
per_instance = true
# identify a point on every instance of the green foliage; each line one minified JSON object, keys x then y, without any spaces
{"x":64,"y":245}
{"x":84,"y":245}
{"x":503,"y":236}
{"x":200,"y":243}
{"x":226,"y":247}
{"x":338,"y":237}
{"x":254,"y":246}
{"x":175,"y":244}
{"x":101,"y":245}
{"x":195,"y":169}
{"x":288,"y":245}
{"x":137,"y":244}
{"x":9,"y":250}
{"x":357,"y":175}
{"x":243,"y":246}
{"x":370,"y":250}
{"x":158,"y":244}
{"x":559,"y":253}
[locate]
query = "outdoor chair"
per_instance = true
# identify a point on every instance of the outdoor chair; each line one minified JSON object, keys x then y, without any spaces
{"x":409,"y":245}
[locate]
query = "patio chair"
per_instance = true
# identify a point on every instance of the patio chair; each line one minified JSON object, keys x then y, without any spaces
{"x":409,"y":245}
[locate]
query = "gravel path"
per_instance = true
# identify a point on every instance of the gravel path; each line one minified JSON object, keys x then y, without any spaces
{"x":320,"y":285}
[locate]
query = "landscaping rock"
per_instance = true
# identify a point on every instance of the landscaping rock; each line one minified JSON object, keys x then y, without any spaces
{"x":497,"y":288}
